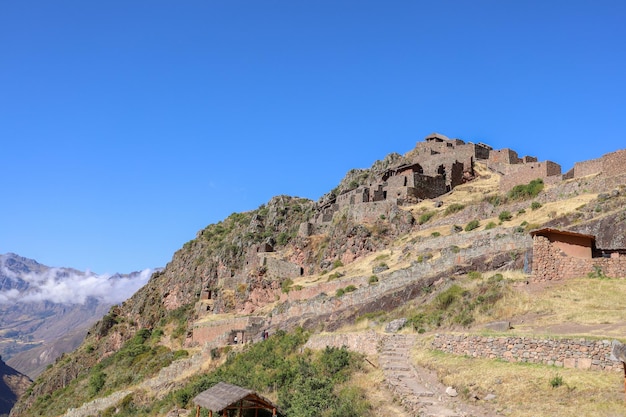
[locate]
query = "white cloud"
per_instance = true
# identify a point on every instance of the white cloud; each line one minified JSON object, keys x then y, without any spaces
{"x":69,"y":287}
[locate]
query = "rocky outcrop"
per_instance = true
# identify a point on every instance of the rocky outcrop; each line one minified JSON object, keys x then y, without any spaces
{"x":12,"y":385}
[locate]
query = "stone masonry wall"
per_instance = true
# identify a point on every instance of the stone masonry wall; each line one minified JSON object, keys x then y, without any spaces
{"x":567,"y":353}
{"x":551,"y":264}
{"x":614,"y":163}
{"x":504,"y":156}
{"x":525,"y":173}
{"x":207,"y":332}
{"x":366,"y":343}
{"x":279,"y":268}
{"x":582,"y":169}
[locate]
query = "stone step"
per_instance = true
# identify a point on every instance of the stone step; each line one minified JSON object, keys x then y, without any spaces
{"x":439,"y":411}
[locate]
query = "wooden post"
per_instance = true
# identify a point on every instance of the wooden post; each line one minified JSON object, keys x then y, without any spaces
{"x":197,"y":411}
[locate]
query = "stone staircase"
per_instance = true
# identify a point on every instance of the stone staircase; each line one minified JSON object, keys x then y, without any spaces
{"x":417,"y":396}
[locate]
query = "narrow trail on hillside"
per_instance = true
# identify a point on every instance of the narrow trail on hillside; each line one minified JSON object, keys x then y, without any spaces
{"x":417,"y":389}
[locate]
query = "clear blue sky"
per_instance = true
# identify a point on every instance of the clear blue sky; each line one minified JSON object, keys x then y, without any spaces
{"x":127,"y":126}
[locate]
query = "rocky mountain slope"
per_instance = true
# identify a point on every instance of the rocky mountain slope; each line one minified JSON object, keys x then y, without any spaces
{"x":12,"y":385}
{"x":45,"y":312}
{"x":370,"y":245}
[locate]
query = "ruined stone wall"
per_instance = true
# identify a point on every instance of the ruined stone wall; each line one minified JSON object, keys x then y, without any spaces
{"x":482,"y":151}
{"x":504,"y":156}
{"x":551,"y":264}
{"x":614,"y":163}
{"x":344,"y":199}
{"x":366,"y":343}
{"x":278,"y":268}
{"x":582,"y":169}
{"x":358,"y":195}
{"x":401,"y":180}
{"x":567,"y":353}
{"x":370,"y":212}
{"x":525,"y":173}
{"x":455,"y":176}
{"x":610,"y":164}
{"x":209,"y":332}
{"x":429,"y":187}
{"x":434,"y":147}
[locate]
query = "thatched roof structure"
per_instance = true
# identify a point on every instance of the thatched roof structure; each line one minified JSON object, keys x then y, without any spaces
{"x":223,"y":396}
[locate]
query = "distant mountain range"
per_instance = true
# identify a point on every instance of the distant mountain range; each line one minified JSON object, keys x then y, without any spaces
{"x":45,"y":311}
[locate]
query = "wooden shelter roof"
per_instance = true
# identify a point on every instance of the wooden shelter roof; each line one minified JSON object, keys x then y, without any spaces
{"x":223,"y":395}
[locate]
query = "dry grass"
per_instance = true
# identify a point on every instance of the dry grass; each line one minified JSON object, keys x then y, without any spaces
{"x":575,"y":307}
{"x":524,"y":390}
{"x":372,"y":383}
{"x":583,"y":306}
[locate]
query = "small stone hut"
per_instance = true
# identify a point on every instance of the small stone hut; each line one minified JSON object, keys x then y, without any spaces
{"x":562,"y":254}
{"x":225,"y":399}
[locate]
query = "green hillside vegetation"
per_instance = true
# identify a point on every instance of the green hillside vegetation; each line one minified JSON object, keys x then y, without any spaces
{"x":303,"y":383}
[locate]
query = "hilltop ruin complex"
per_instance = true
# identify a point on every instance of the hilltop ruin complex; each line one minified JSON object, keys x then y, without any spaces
{"x":439,"y":164}
{"x":436,"y":166}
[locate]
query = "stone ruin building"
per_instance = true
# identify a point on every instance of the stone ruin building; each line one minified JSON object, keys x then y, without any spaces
{"x":436,"y":166}
{"x":561,"y":254}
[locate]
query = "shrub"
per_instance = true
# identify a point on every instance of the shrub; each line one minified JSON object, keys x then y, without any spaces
{"x":337,"y":264}
{"x":490,"y":225}
{"x":339,"y":292}
{"x":454,"y":208}
{"x":96,"y":382}
{"x":556,"y":381}
{"x":350,"y":288}
{"x":435,"y":234}
{"x":334,"y":276}
{"x":535,"y":205}
{"x":505,"y":216}
{"x":523,"y":192}
{"x":283,"y":238}
{"x":425,"y":217}
{"x":285,"y":286}
{"x":372,"y":279}
{"x":474,"y":224}
{"x":474,"y":275}
{"x":597,"y":273}
{"x":520,"y":212}
{"x":496,"y":200}
{"x":448,"y":297}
